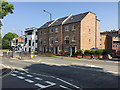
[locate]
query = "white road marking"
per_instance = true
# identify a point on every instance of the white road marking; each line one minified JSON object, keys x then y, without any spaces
{"x":16,"y":71}
{"x":28,"y":80}
{"x":26,"y":71}
{"x":13,"y":74}
{"x":38,"y":78}
{"x":43,"y":75}
{"x":68,"y":83}
{"x":29,"y":75}
{"x":22,"y":73}
{"x":20,"y":77}
{"x":40,"y":85}
{"x":65,"y":87}
{"x":43,"y":86}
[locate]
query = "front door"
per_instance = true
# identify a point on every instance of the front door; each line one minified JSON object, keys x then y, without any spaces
{"x":44,"y":50}
{"x":73,"y":50}
{"x":56,"y":50}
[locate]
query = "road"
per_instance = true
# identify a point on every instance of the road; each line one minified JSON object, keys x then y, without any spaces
{"x":50,"y":72}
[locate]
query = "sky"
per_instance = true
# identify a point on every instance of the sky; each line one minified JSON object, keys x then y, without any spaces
{"x":30,"y":14}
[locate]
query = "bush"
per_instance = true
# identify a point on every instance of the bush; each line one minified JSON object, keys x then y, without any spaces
{"x":79,"y":52}
{"x":99,"y":52}
{"x":93,"y":52}
{"x":68,"y":53}
{"x":87,"y":52}
{"x":105,"y":52}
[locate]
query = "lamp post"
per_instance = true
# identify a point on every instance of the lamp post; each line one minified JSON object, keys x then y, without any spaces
{"x":48,"y":13}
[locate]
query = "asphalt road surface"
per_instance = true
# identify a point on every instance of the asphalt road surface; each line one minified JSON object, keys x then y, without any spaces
{"x":49,"y":72}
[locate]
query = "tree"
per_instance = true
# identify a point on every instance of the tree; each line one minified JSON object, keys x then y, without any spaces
{"x":5,"y":8}
{"x":6,"y":40}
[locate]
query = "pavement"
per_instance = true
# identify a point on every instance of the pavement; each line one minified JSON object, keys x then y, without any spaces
{"x":62,"y":73}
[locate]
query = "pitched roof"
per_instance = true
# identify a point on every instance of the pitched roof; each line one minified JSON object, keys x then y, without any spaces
{"x":74,"y":18}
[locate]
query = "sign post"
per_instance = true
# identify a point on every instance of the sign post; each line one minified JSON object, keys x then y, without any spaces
{"x":31,"y":54}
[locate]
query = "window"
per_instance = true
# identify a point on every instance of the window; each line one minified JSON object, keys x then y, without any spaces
{"x":89,"y":41}
{"x":66,"y":28}
{"x":67,"y":40}
{"x":73,"y":27}
{"x":40,"y":48}
{"x":89,"y":31}
{"x":25,"y":40}
{"x":33,"y":44}
{"x":36,"y":33}
{"x":25,"y":49}
{"x":44,"y":40}
{"x":51,"y":49}
{"x":35,"y":49}
{"x":30,"y":33}
{"x":51,"y":40}
{"x":51,"y":30}
{"x":66,"y":49}
{"x":36,"y":41}
{"x":56,"y":40}
{"x":56,"y":30}
{"x":40,"y":32}
{"x":16,"y":41}
{"x":41,"y":41}
{"x":73,"y":38}
{"x":29,"y":42}
{"x":45,"y":32}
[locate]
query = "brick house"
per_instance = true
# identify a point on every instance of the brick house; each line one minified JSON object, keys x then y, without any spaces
{"x":113,"y":39}
{"x":69,"y":34}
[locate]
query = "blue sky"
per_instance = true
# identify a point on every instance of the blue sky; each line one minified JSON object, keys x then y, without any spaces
{"x":30,"y":14}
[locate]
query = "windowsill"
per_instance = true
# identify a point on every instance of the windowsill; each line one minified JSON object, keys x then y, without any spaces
{"x":56,"y":41}
{"x":66,"y":30}
{"x":73,"y":29}
{"x":74,"y":41}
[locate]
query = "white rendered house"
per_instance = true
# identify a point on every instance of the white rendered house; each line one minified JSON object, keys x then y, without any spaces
{"x":30,"y":39}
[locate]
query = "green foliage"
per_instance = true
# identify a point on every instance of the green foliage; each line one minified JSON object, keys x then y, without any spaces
{"x":68,"y":53}
{"x":6,"y":8}
{"x":87,"y":52}
{"x":6,"y":40}
{"x":93,"y":52}
{"x":79,"y":52}
{"x":105,"y":52}
{"x":99,"y":51}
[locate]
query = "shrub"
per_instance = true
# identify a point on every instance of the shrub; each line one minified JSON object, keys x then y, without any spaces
{"x":79,"y":52}
{"x":93,"y":52}
{"x":87,"y":52}
{"x":105,"y":52}
{"x":99,"y":52}
{"x":68,"y":53}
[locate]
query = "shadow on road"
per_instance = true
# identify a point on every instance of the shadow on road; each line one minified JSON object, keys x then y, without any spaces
{"x":83,"y":76}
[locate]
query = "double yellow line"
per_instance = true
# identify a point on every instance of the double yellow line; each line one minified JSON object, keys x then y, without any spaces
{"x":12,"y":70}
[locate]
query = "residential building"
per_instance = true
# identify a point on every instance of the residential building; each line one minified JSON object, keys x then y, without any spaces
{"x":113,"y":39}
{"x":17,"y":43}
{"x":30,"y":39}
{"x":68,"y":34}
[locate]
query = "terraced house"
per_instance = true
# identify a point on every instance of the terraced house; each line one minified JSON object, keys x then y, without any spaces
{"x":68,"y":34}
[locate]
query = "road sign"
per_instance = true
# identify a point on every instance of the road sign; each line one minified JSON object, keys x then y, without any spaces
{"x":32,"y":54}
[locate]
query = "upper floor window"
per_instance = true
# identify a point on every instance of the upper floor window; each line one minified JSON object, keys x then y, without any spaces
{"x":73,"y":27}
{"x":44,"y":40}
{"x":36,"y":33}
{"x":73,"y":38}
{"x":51,"y":40}
{"x":89,"y":41}
{"x":29,"y":42}
{"x":56,"y":40}
{"x":36,"y":41}
{"x":56,"y":30}
{"x":45,"y":32}
{"x":89,"y":31}
{"x":41,"y":41}
{"x":40,"y":32}
{"x":67,"y":40}
{"x":51,"y":30}
{"x":66,"y":28}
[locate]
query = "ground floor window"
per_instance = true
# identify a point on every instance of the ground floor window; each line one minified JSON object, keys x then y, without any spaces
{"x":40,"y":48}
{"x":51,"y":49}
{"x":66,"y":49}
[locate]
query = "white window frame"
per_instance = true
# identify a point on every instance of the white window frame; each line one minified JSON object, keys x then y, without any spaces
{"x":56,"y":29}
{"x":66,"y":28}
{"x":73,"y":40}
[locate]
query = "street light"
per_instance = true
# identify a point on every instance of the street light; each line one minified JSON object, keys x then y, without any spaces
{"x":48,"y":13}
